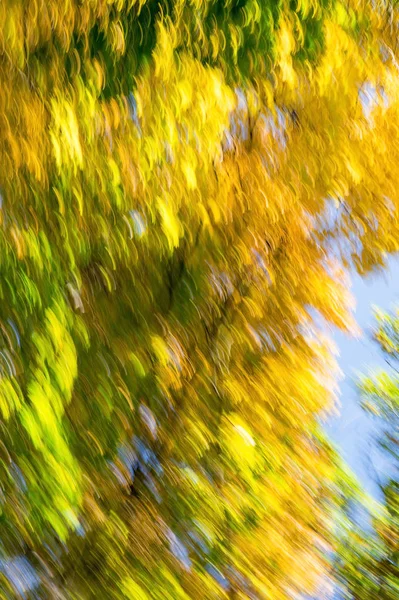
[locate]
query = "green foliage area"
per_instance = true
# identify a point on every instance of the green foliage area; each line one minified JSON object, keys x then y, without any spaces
{"x":369,"y":563}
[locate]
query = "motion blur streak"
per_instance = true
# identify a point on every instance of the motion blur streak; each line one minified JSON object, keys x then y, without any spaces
{"x":185,"y":186}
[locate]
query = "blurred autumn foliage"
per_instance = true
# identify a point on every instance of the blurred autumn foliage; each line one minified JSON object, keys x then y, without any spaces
{"x":185,"y":186}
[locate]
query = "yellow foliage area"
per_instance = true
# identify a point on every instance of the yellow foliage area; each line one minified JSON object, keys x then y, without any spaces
{"x":175,"y":245}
